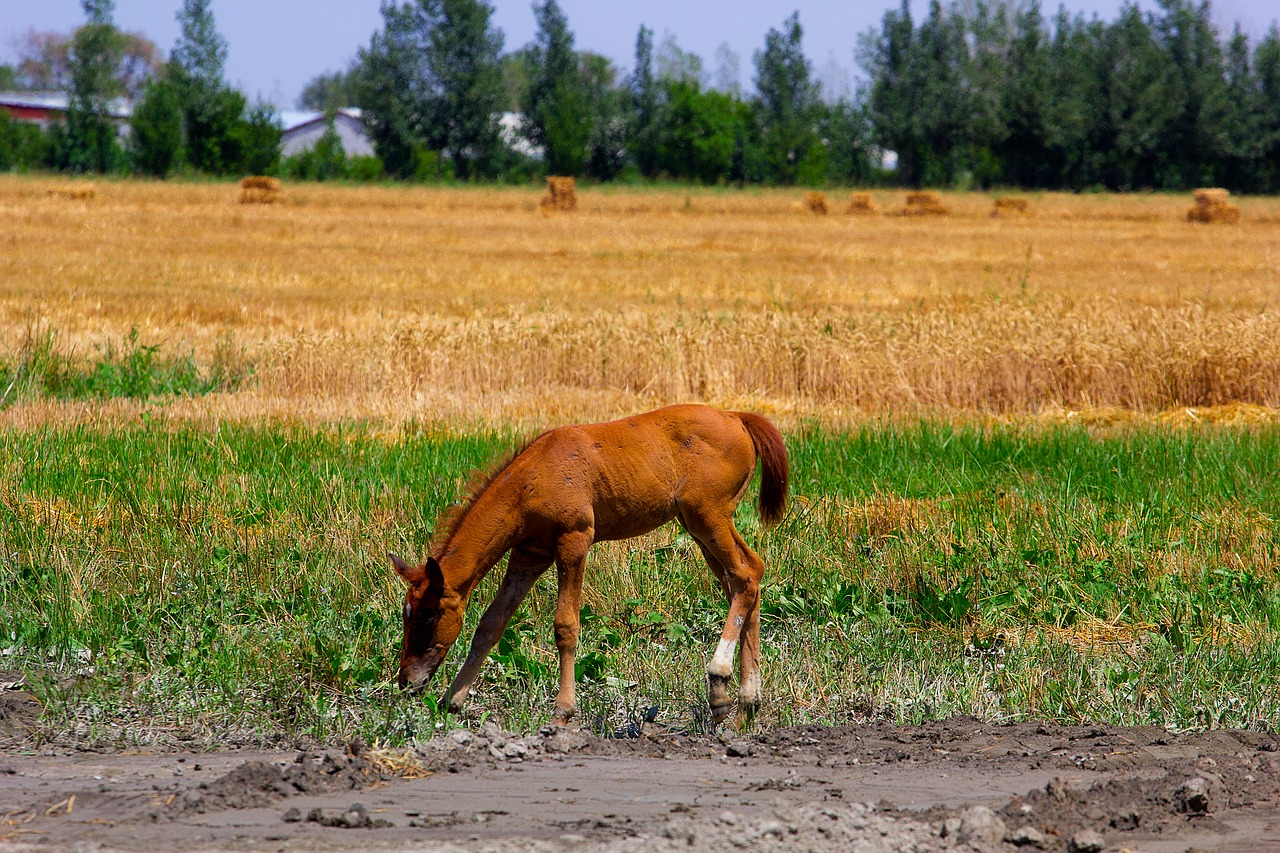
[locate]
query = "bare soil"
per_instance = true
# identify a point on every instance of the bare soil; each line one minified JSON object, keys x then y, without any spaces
{"x":958,"y":784}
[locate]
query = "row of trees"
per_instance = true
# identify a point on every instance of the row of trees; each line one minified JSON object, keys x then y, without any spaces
{"x":435,"y":79}
{"x":994,"y":93}
{"x":185,"y":115}
{"x":978,"y":92}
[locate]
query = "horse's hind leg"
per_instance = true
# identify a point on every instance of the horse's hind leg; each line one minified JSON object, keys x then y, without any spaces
{"x":571,"y":561}
{"x":739,"y":570}
{"x":523,"y":569}
{"x":749,"y":654}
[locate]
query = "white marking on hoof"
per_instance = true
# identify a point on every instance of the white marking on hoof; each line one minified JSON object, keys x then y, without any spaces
{"x":722,"y":661}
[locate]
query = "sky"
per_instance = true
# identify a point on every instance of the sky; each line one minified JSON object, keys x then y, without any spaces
{"x":276,"y":46}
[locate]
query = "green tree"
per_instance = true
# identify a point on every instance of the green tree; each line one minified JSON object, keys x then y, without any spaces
{"x":643,"y":94}
{"x":890,"y":61}
{"x":1194,"y":138}
{"x":432,"y":79}
{"x":155,"y":130}
{"x":1140,"y":103}
{"x":331,"y":90}
{"x":389,"y":90}
{"x":210,"y":110}
{"x":23,"y":145}
{"x":557,"y":112}
{"x":787,"y":107}
{"x":847,"y":135}
{"x":464,"y":83}
{"x":1266,"y":73}
{"x":697,"y":131}
{"x":96,"y":53}
{"x":257,"y":139}
{"x":1024,"y":91}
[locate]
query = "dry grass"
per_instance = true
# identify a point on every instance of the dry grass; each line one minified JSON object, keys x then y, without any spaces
{"x":465,"y":305}
{"x":73,"y":191}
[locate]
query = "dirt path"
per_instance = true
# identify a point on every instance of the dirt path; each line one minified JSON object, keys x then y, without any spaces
{"x":957,"y":784}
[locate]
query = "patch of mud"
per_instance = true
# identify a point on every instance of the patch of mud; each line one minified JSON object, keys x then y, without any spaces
{"x":957,"y":784}
{"x":259,"y":783}
{"x":19,"y":710}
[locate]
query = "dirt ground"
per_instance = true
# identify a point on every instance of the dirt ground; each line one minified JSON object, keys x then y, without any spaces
{"x":958,"y":784}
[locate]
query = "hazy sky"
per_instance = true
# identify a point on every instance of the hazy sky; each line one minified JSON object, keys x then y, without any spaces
{"x":276,"y":46}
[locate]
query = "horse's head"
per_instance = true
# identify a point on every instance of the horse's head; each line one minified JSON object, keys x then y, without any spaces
{"x":432,"y":621}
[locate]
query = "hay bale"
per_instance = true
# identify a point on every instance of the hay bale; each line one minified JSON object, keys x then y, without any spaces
{"x":1211,"y":195}
{"x":260,"y":189}
{"x":260,"y":182}
{"x":1212,"y":205}
{"x":258,"y":195}
{"x":924,"y":203}
{"x":562,"y":194}
{"x":816,"y":202}
{"x":77,"y":192}
{"x":862,"y":204}
{"x":1008,"y":206}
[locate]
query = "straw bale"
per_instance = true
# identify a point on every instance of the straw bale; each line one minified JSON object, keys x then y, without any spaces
{"x":258,"y":195}
{"x":1211,"y":195}
{"x":862,"y":204}
{"x":77,"y":192}
{"x":1211,"y":205}
{"x":924,"y":203}
{"x":260,"y":182}
{"x":1008,"y":206}
{"x":561,"y":194}
{"x":816,"y":202}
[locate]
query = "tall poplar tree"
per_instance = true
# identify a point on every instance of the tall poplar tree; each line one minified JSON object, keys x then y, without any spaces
{"x":787,"y":107}
{"x":556,"y":109}
{"x":97,"y":50}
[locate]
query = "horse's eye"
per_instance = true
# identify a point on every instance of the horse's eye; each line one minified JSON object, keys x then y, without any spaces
{"x":408,"y":611}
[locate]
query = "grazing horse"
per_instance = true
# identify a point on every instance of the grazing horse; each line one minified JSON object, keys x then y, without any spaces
{"x":577,"y":485}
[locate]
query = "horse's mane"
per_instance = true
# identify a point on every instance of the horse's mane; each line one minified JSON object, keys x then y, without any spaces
{"x":453,"y":516}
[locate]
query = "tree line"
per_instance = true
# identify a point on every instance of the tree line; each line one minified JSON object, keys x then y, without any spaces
{"x":977,"y":93}
{"x":185,"y":116}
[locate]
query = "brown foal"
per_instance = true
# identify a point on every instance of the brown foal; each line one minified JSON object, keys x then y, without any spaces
{"x":577,"y":485}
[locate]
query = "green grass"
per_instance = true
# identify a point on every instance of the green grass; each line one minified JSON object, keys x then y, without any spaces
{"x":38,"y":367}
{"x":233,"y":584}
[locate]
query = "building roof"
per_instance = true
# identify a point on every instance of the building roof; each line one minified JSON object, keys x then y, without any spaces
{"x":296,"y":119}
{"x":56,"y":102}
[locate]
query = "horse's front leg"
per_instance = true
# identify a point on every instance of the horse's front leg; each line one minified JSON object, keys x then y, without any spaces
{"x":571,"y":561}
{"x":523,"y":570}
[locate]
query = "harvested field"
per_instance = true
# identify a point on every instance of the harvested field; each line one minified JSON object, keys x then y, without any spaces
{"x":464,"y":305}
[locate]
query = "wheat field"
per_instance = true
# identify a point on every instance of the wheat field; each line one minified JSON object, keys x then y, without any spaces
{"x":474,"y":306}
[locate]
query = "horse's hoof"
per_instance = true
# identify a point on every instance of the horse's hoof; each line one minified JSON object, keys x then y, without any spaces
{"x":562,"y":716}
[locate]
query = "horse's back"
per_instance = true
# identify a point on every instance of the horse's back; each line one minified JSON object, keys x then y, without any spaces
{"x":632,"y":475}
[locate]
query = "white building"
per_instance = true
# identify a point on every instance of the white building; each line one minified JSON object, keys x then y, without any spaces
{"x":302,"y":130}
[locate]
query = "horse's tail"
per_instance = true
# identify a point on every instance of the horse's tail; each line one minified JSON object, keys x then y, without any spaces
{"x":775,"y":467}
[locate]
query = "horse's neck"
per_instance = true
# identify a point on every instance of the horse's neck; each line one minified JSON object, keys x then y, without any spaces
{"x":488,"y":531}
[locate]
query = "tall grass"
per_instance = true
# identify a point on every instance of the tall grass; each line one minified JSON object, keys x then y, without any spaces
{"x":232,"y":583}
{"x":37,"y":367}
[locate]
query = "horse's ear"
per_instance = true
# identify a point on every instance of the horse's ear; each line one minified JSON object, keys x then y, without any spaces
{"x":410,"y":574}
{"x":435,"y":577}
